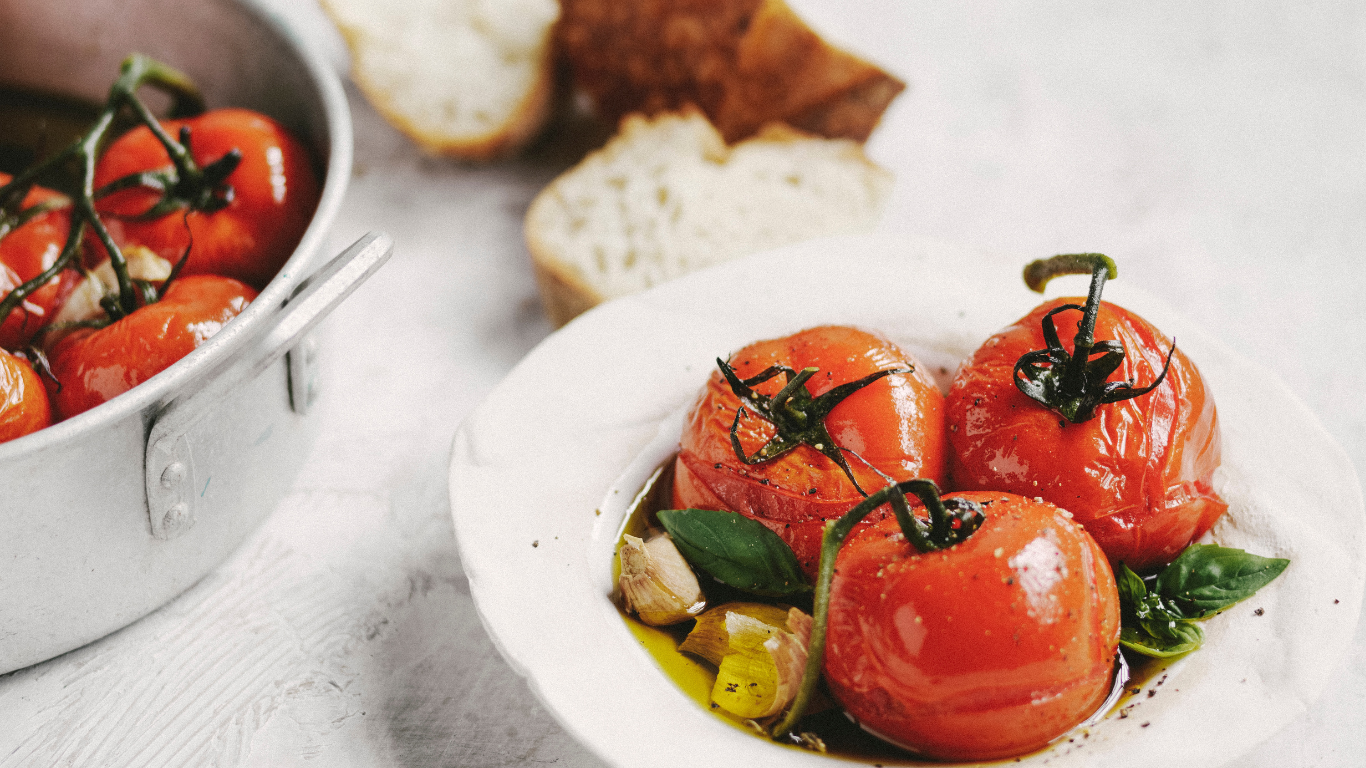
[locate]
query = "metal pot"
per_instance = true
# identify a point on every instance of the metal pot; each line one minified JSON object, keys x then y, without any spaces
{"x":108,"y":515}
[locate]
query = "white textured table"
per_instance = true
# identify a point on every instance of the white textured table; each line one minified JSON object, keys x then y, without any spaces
{"x":1218,"y":150}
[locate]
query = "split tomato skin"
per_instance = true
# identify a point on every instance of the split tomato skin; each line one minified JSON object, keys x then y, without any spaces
{"x":990,"y":648}
{"x":26,"y":252}
{"x":1139,"y":475}
{"x":895,"y":424}
{"x":24,"y":404}
{"x":275,"y":193}
{"x":93,"y":365}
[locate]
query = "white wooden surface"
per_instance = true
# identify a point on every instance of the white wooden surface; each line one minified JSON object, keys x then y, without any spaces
{"x":1216,"y":149}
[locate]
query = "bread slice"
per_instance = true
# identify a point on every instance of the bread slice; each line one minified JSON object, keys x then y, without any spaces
{"x":745,"y":63}
{"x":667,"y":196}
{"x":472,"y":79}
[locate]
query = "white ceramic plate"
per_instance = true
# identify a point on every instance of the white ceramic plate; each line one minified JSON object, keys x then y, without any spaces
{"x":542,"y":471}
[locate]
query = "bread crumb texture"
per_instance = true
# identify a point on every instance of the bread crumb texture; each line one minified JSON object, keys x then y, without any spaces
{"x":745,"y":63}
{"x":467,"y":78}
{"x":667,"y":197}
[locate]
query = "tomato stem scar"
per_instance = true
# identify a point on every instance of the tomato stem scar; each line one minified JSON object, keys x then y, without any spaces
{"x":796,"y":416}
{"x":1074,"y":385}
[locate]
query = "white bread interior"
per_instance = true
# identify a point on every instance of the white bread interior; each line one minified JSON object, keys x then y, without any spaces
{"x":666,"y":196}
{"x":471,"y":79}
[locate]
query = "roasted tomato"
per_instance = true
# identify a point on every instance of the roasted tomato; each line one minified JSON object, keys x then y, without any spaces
{"x":26,"y":252}
{"x":93,"y":365}
{"x":247,"y":235}
{"x":1138,"y":474}
{"x":988,"y":648}
{"x":24,"y":405}
{"x":889,"y":428}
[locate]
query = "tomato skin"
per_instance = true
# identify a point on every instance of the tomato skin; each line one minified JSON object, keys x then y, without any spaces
{"x":896,"y":423}
{"x":26,"y":252}
{"x":988,"y":649}
{"x":24,"y":405}
{"x":1138,"y":476}
{"x":275,"y":194}
{"x":96,"y":365}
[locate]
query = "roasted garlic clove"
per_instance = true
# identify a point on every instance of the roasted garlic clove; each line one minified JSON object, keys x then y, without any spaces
{"x":84,"y":301}
{"x":656,"y":581}
{"x":709,"y":638}
{"x":760,"y":675}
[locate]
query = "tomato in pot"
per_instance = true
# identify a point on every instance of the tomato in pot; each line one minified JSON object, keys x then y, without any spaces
{"x":1137,"y":472}
{"x":93,"y":365}
{"x":24,"y":404}
{"x":888,"y":426}
{"x":988,"y":648}
{"x":26,"y":252}
{"x":247,"y":234}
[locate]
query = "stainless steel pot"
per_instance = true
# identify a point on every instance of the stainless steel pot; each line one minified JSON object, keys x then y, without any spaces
{"x":108,"y":515}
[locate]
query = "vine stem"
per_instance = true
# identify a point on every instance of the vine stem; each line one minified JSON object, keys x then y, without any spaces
{"x":136,"y":71}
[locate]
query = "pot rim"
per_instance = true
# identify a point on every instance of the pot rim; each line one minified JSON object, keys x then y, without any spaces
{"x":212,"y":355}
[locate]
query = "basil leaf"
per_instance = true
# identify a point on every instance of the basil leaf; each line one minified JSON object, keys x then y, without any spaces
{"x":1141,"y":642}
{"x":1132,"y":590}
{"x":735,"y":550}
{"x":1173,"y":631}
{"x":1207,"y":578}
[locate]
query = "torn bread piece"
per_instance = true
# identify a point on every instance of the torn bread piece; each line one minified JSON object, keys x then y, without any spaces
{"x":471,"y":79}
{"x":745,"y":63}
{"x":667,"y":196}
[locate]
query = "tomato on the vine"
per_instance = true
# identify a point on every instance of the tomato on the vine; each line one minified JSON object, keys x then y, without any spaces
{"x":26,"y":251}
{"x":93,"y":365}
{"x":988,"y":648}
{"x":274,"y":193}
{"x":1138,"y":474}
{"x":24,"y":404}
{"x":889,"y":427}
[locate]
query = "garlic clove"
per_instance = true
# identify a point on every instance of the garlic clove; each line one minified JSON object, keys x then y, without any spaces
{"x":709,"y":639}
{"x":761,"y":674}
{"x":84,"y":301}
{"x":656,"y":581}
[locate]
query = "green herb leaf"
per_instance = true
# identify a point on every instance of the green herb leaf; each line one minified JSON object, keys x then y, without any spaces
{"x":1140,"y":641}
{"x":1206,"y":578}
{"x":1132,"y":590}
{"x":1201,"y":581}
{"x":736,"y":550}
{"x":1173,"y":631}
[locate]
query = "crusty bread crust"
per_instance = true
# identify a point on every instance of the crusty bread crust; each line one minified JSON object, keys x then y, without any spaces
{"x":667,"y":196}
{"x":745,"y":63}
{"x":564,"y":296}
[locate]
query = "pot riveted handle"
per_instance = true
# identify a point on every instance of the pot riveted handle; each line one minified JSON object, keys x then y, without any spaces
{"x":170,"y":466}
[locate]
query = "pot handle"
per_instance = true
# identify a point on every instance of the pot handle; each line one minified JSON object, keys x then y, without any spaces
{"x":169,"y":464}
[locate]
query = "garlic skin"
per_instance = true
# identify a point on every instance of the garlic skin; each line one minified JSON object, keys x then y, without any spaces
{"x":656,"y":581}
